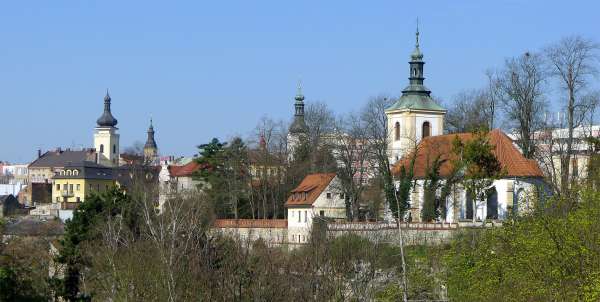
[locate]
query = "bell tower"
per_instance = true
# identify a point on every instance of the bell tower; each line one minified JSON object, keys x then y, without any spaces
{"x":150,"y":148}
{"x":415,"y":115}
{"x":298,"y":130}
{"x":106,"y":138}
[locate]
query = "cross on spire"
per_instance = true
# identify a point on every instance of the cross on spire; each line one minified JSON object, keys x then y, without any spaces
{"x":417,"y":33}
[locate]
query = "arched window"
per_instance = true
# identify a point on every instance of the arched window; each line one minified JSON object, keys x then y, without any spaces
{"x":114,"y":149}
{"x":101,"y":148}
{"x":397,"y":131}
{"x":75,"y":172}
{"x":68,"y":172}
{"x":426,"y":130}
{"x":492,"y":204}
{"x":415,"y":72}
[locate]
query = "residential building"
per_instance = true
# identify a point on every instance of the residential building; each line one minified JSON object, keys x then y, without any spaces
{"x":522,"y":178}
{"x":317,"y":196}
{"x":14,"y":174}
{"x":551,"y":144}
{"x":177,"y":179}
{"x":76,"y":181}
{"x":47,"y":165}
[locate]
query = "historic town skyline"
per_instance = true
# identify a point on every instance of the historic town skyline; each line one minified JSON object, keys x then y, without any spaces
{"x":211,"y":62}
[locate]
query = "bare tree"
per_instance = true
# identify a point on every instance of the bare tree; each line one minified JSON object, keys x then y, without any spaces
{"x":320,"y":120}
{"x":521,"y":83}
{"x":470,"y":110}
{"x":352,"y":153}
{"x":573,"y":61}
{"x":175,"y":233}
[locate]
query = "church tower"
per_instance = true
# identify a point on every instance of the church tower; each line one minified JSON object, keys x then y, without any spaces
{"x":415,"y":115}
{"x":298,"y":130}
{"x":106,"y":138}
{"x":150,"y":148}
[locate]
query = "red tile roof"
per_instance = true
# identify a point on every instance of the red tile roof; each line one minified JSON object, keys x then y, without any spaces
{"x":185,"y":170}
{"x":250,"y":223}
{"x":510,"y":158}
{"x":309,"y":189}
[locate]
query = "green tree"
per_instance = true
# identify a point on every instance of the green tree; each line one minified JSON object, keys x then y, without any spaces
{"x":431,"y":203}
{"x":81,"y":228}
{"x":477,"y":164}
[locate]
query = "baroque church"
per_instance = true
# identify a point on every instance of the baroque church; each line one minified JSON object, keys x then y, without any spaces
{"x":415,"y":124}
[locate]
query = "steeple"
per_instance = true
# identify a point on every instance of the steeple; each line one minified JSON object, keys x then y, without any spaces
{"x":299,"y":126}
{"x":150,"y":142}
{"x":416,"y":75}
{"x":106,"y":119}
{"x":150,"y":148}
{"x":416,"y":96}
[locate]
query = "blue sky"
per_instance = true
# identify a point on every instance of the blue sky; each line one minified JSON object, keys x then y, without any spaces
{"x":214,"y":68}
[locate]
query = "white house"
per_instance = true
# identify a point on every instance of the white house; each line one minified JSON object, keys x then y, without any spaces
{"x":318,"y":195}
{"x":177,"y":179}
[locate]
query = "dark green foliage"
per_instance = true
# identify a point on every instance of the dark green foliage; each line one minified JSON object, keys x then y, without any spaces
{"x":225,"y":176}
{"x":81,"y":228}
{"x":16,"y":287}
{"x":399,"y":203}
{"x":431,"y":202}
{"x":477,"y":165}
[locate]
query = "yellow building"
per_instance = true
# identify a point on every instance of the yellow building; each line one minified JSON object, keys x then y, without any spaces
{"x":75,"y":181}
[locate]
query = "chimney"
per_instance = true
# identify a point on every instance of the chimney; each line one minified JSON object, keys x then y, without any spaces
{"x":39,"y":153}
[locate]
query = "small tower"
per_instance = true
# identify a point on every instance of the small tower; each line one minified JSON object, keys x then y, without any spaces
{"x":106,"y":138}
{"x":298,"y":130}
{"x":415,"y":115}
{"x":150,"y":148}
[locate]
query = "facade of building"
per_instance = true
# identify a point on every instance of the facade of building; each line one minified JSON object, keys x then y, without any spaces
{"x":76,"y":181}
{"x":14,"y":174}
{"x":512,"y":193}
{"x":177,"y":179}
{"x":552,"y":143}
{"x":317,"y":196}
{"x":415,"y":115}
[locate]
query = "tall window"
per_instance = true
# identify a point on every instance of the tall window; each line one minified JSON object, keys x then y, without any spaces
{"x":101,"y":148}
{"x":397,"y":131}
{"x":575,"y":167}
{"x":426,"y":129}
{"x":114,"y":149}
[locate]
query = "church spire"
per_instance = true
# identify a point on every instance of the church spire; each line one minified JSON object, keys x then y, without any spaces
{"x":299,"y":126}
{"x":150,"y":142}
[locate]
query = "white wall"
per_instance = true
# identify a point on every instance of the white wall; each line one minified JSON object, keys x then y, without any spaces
{"x":300,"y":219}
{"x":108,"y":137}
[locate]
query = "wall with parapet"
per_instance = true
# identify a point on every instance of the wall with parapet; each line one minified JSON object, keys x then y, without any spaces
{"x":274,"y":232}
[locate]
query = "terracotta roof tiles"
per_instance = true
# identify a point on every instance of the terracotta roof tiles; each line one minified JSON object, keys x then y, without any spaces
{"x":510,"y":158}
{"x":309,"y":189}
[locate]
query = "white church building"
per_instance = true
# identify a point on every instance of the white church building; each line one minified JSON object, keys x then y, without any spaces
{"x":416,"y":128}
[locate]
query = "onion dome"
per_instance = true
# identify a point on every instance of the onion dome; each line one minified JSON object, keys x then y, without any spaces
{"x":107,"y":119}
